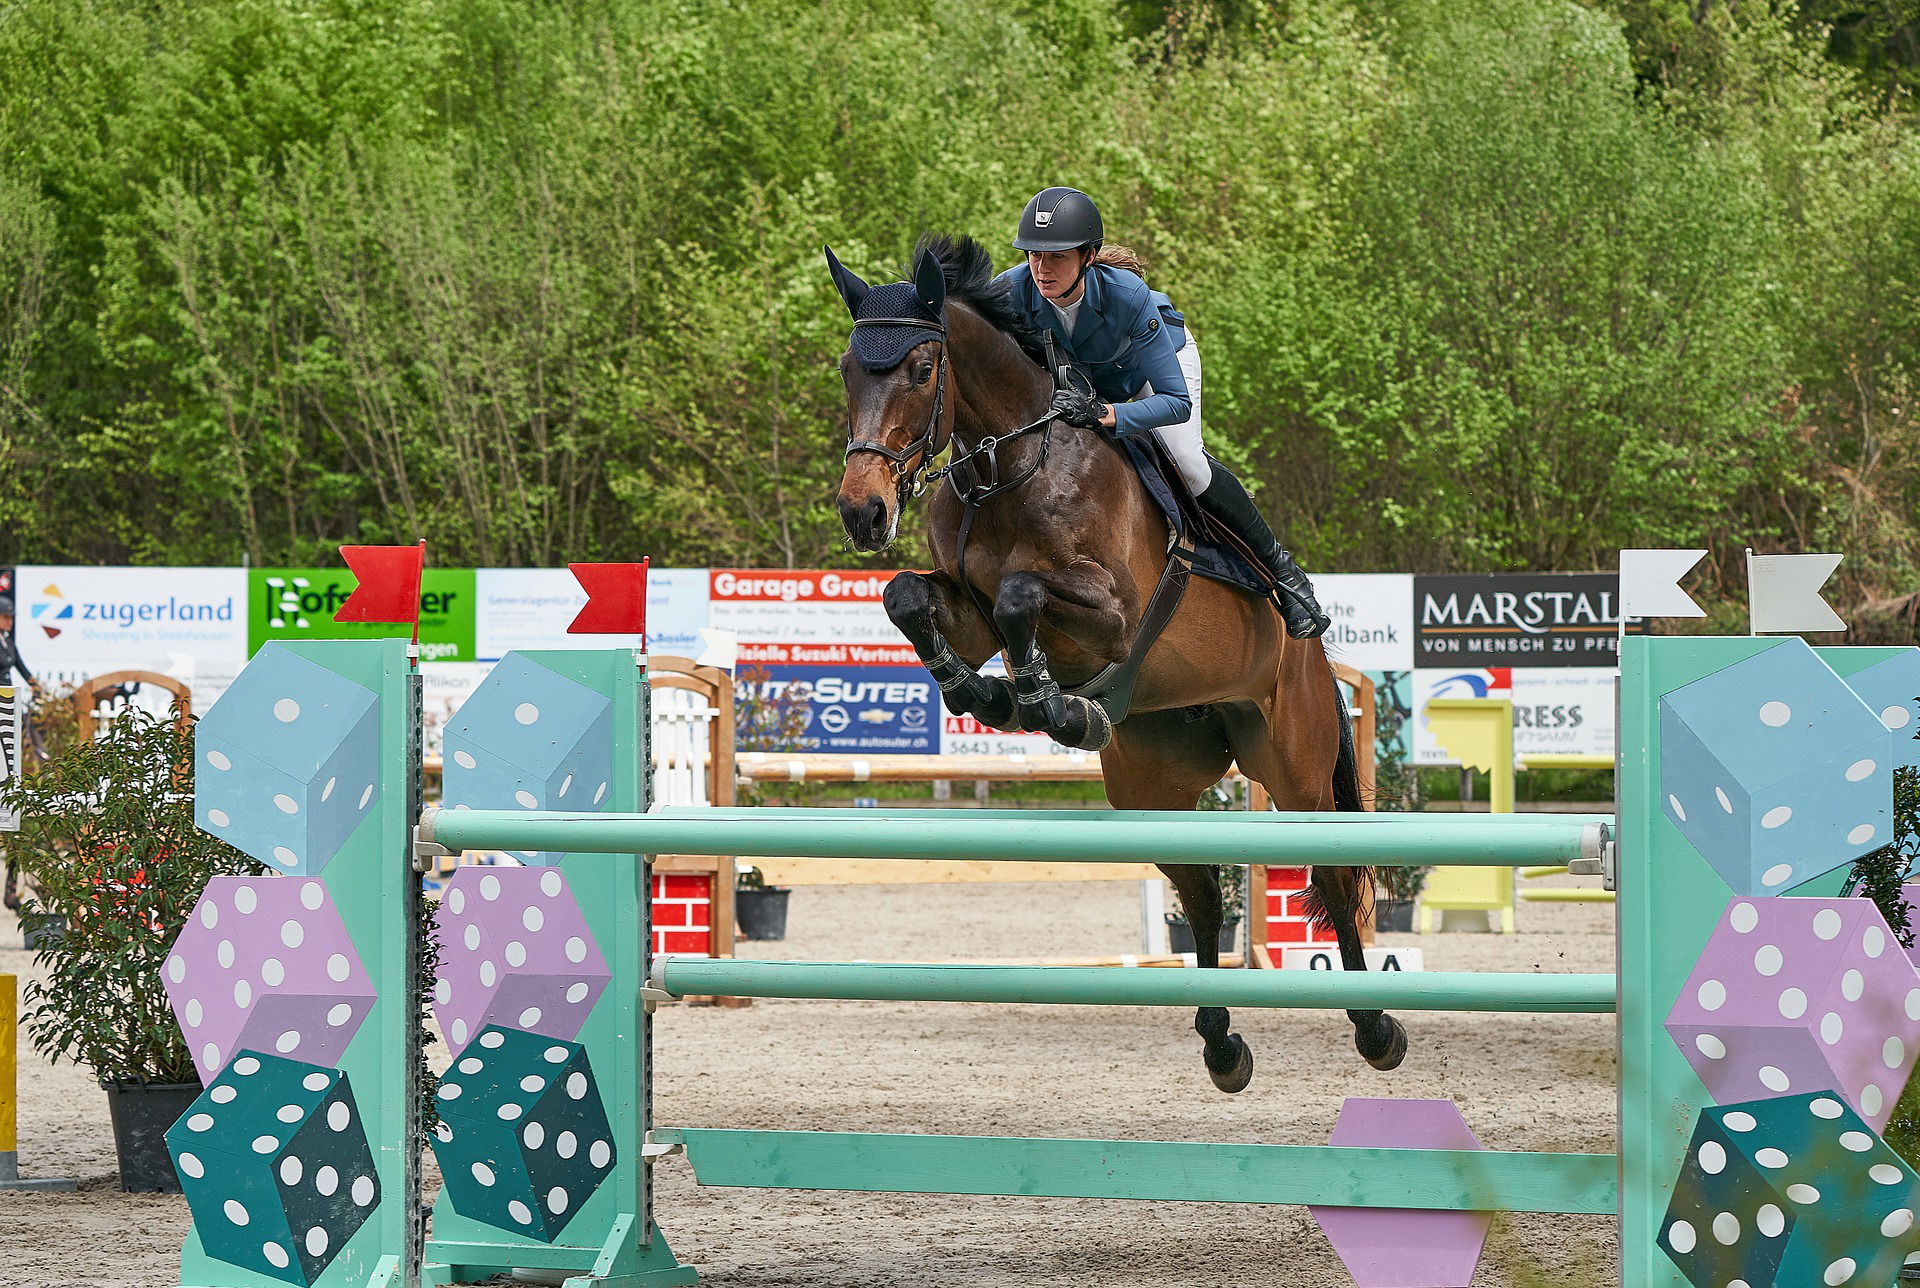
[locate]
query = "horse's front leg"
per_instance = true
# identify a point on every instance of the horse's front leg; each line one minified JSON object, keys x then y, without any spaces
{"x":1071,"y":721}
{"x":936,"y":619}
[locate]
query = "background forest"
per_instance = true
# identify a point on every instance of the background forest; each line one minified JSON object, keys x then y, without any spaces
{"x":1481,"y":284}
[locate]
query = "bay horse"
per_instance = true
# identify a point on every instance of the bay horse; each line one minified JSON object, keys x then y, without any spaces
{"x":1054,"y":562}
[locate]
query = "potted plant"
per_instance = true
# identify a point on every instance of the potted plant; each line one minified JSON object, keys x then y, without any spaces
{"x":108,"y":841}
{"x":760,"y":909}
{"x":1399,"y":887}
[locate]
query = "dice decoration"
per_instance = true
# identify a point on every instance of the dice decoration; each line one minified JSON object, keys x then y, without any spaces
{"x":276,"y":1166}
{"x":266,"y":962}
{"x":1404,"y":1247}
{"x":1892,"y":689}
{"x":523,"y":1139}
{"x":1794,"y":995}
{"x":284,"y":762}
{"x":1775,"y":771}
{"x":530,"y":738}
{"x":1790,"y":1192}
{"x":515,"y":951}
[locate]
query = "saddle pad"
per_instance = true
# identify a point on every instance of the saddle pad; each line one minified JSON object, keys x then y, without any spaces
{"x":1169,"y":491}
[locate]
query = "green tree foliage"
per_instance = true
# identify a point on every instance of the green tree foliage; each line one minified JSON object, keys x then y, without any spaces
{"x":1479,"y":284}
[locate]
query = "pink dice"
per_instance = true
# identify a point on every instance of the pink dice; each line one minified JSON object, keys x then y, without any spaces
{"x":1799,"y":995}
{"x":515,"y":951}
{"x":265,"y":964}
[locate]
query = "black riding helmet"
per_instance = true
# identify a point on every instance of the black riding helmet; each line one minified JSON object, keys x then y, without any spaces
{"x":1060,"y":219}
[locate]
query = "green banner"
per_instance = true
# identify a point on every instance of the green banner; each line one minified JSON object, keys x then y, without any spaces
{"x":299,"y":603}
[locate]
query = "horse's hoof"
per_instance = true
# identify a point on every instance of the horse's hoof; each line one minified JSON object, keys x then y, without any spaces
{"x":1237,"y":1077}
{"x":1096,"y":729}
{"x":1396,"y":1048}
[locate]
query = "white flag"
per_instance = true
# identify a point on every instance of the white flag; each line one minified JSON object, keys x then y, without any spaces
{"x":718,"y":647}
{"x":1783,"y":592}
{"x":1650,"y":583}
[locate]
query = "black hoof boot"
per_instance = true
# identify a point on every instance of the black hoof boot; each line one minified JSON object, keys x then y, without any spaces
{"x":1239,"y":1070}
{"x":1383,"y":1046}
{"x":1086,"y":727}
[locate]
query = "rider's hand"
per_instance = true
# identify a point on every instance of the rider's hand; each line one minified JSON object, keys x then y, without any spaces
{"x":1082,"y":411}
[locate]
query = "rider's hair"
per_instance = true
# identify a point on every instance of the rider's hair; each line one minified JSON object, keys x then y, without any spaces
{"x":1122,"y":257}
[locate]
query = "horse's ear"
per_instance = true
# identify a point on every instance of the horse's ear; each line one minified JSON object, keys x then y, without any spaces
{"x":851,"y":288}
{"x":930,"y":281}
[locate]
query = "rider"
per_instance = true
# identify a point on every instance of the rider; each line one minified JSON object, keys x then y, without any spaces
{"x":10,"y":659}
{"x":1128,"y":340}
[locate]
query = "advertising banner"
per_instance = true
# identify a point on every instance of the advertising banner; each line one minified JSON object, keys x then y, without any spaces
{"x":827,"y":632}
{"x":1372,"y":619}
{"x":1565,"y":710}
{"x":299,"y":603}
{"x":1517,"y":619}
{"x":74,"y":622}
{"x":523,"y":608}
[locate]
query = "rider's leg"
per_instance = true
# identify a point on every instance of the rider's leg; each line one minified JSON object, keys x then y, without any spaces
{"x":1221,"y":496}
{"x":1226,"y":500}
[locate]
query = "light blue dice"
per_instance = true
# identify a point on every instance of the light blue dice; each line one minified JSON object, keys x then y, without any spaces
{"x":286,"y":763}
{"x":1892,"y":689}
{"x":530,"y":738}
{"x":1775,"y":771}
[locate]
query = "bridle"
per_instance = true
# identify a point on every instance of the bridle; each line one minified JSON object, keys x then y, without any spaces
{"x":914,"y":481}
{"x":910,"y":481}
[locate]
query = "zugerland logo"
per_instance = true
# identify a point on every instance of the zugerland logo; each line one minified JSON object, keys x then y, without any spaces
{"x":52,"y":607}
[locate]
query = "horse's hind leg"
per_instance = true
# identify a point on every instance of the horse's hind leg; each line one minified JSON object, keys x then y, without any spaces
{"x":1378,"y":1037}
{"x":1164,"y":760}
{"x":936,"y":619}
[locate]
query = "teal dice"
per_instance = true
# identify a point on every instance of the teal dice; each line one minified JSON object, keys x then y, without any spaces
{"x":276,"y":1166}
{"x":1775,"y":771}
{"x":284,"y":762}
{"x":523,"y":1139}
{"x":530,"y":738}
{"x":1790,"y":1192}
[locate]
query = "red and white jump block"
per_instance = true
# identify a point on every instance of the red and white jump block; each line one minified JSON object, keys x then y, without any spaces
{"x":1287,"y":923}
{"x":1404,"y":1247}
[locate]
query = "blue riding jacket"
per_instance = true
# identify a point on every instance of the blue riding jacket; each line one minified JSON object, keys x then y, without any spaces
{"x":1125,"y":336}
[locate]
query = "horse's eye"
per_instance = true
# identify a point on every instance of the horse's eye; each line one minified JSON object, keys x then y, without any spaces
{"x":922,"y":373}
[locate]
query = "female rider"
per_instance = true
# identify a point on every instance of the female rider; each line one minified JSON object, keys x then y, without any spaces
{"x":1134,"y":348}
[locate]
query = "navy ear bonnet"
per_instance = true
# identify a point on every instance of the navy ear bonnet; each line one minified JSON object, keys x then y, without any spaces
{"x":882,"y":348}
{"x":892,"y":318}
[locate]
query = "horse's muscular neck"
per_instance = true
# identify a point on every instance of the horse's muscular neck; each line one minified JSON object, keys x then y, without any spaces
{"x":996,"y":387}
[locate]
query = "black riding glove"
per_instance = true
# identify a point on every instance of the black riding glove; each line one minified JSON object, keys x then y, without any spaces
{"x":1083,"y":411}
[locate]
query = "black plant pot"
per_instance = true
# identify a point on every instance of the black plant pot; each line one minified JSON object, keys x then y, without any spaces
{"x":42,"y":930}
{"x":1393,"y":914}
{"x":1180,"y":934}
{"x":761,"y":912}
{"x":142,"y":1112}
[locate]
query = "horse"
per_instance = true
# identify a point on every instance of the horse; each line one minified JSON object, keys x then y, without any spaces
{"x":1047,"y":547}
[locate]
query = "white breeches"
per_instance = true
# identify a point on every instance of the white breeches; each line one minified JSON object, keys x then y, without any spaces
{"x":1182,"y":441}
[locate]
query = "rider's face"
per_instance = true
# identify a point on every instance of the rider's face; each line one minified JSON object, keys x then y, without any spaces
{"x":1056,"y":273}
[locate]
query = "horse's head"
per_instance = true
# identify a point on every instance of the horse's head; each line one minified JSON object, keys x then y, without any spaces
{"x":899,"y":415}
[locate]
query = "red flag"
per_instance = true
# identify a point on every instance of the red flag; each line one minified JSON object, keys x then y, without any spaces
{"x":389,"y":589}
{"x":616,"y":599}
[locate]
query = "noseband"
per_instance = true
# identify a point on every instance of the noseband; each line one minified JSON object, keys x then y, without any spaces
{"x":911,"y":482}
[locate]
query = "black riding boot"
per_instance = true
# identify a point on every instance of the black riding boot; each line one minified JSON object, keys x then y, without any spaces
{"x":1226,"y":500}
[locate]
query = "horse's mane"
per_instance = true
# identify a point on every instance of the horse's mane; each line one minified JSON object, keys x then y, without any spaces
{"x":970,"y":280}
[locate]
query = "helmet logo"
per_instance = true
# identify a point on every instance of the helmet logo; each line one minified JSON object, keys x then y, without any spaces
{"x":1041,"y":218}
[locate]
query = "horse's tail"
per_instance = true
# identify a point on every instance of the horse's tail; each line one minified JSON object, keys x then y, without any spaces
{"x":1345,"y":885}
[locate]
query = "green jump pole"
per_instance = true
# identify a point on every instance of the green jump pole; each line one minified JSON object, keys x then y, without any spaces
{"x":1099,"y":986}
{"x":1444,"y":1179}
{"x":1092,"y":836}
